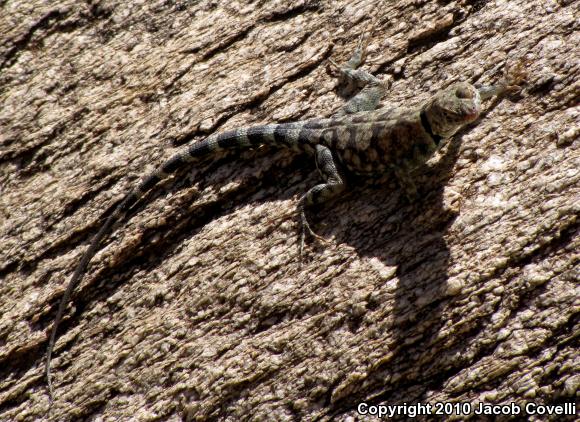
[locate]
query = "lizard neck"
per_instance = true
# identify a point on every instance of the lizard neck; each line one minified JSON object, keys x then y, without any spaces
{"x":427,"y":126}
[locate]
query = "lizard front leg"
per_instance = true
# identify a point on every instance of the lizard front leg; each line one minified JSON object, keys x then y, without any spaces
{"x":352,"y":78}
{"x":321,"y":193}
{"x":403,"y":175}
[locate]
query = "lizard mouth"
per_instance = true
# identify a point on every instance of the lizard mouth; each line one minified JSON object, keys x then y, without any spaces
{"x":471,"y":115}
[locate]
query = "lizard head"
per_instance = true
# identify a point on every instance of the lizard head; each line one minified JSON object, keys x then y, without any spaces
{"x":452,"y":108}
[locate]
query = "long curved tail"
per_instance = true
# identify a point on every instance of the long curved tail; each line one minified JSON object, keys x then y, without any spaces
{"x":284,"y":134}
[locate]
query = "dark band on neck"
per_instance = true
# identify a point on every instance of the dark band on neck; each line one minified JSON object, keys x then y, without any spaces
{"x":427,"y":127}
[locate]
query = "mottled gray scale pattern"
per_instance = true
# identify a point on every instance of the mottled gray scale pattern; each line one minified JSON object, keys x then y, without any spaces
{"x":328,"y":137}
{"x":364,"y":139}
{"x":360,"y":118}
{"x":346,"y":156}
{"x":341,"y":137}
{"x":337,"y":121}
{"x":353,"y":136}
{"x":387,"y":114}
{"x":315,"y":124}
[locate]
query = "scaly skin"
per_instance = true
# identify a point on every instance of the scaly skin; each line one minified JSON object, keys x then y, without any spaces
{"x":360,"y":138}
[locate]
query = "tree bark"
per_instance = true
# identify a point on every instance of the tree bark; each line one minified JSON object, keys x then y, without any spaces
{"x":197,"y":307}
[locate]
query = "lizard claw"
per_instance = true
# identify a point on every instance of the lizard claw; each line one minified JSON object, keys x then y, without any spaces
{"x":513,"y":78}
{"x":306,"y":228}
{"x":334,"y":64}
{"x":358,"y":57}
{"x":361,"y":48}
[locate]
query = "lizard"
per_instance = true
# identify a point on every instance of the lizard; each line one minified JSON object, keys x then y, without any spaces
{"x":361,"y":138}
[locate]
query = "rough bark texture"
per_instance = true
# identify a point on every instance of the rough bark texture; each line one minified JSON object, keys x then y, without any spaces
{"x":197,"y":306}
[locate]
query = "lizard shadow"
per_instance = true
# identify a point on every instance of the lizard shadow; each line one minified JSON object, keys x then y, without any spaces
{"x":409,"y":243}
{"x":418,"y":356}
{"x":418,"y":251}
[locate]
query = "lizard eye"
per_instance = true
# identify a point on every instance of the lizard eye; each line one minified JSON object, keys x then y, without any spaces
{"x":463,"y":92}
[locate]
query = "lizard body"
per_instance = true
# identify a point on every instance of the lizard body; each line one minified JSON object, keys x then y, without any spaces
{"x":360,"y":138}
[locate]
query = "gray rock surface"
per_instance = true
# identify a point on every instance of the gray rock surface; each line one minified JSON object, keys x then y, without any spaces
{"x":197,"y":306}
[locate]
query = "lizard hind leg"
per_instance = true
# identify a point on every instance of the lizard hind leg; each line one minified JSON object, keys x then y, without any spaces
{"x":333,"y":186}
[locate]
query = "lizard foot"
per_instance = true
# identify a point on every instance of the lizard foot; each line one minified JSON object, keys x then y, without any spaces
{"x":307,"y":229}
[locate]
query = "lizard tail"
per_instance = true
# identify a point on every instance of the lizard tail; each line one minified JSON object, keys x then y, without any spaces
{"x":234,"y":139}
{"x":128,"y":201}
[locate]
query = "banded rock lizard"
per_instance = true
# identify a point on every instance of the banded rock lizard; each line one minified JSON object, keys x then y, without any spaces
{"x":361,"y":138}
